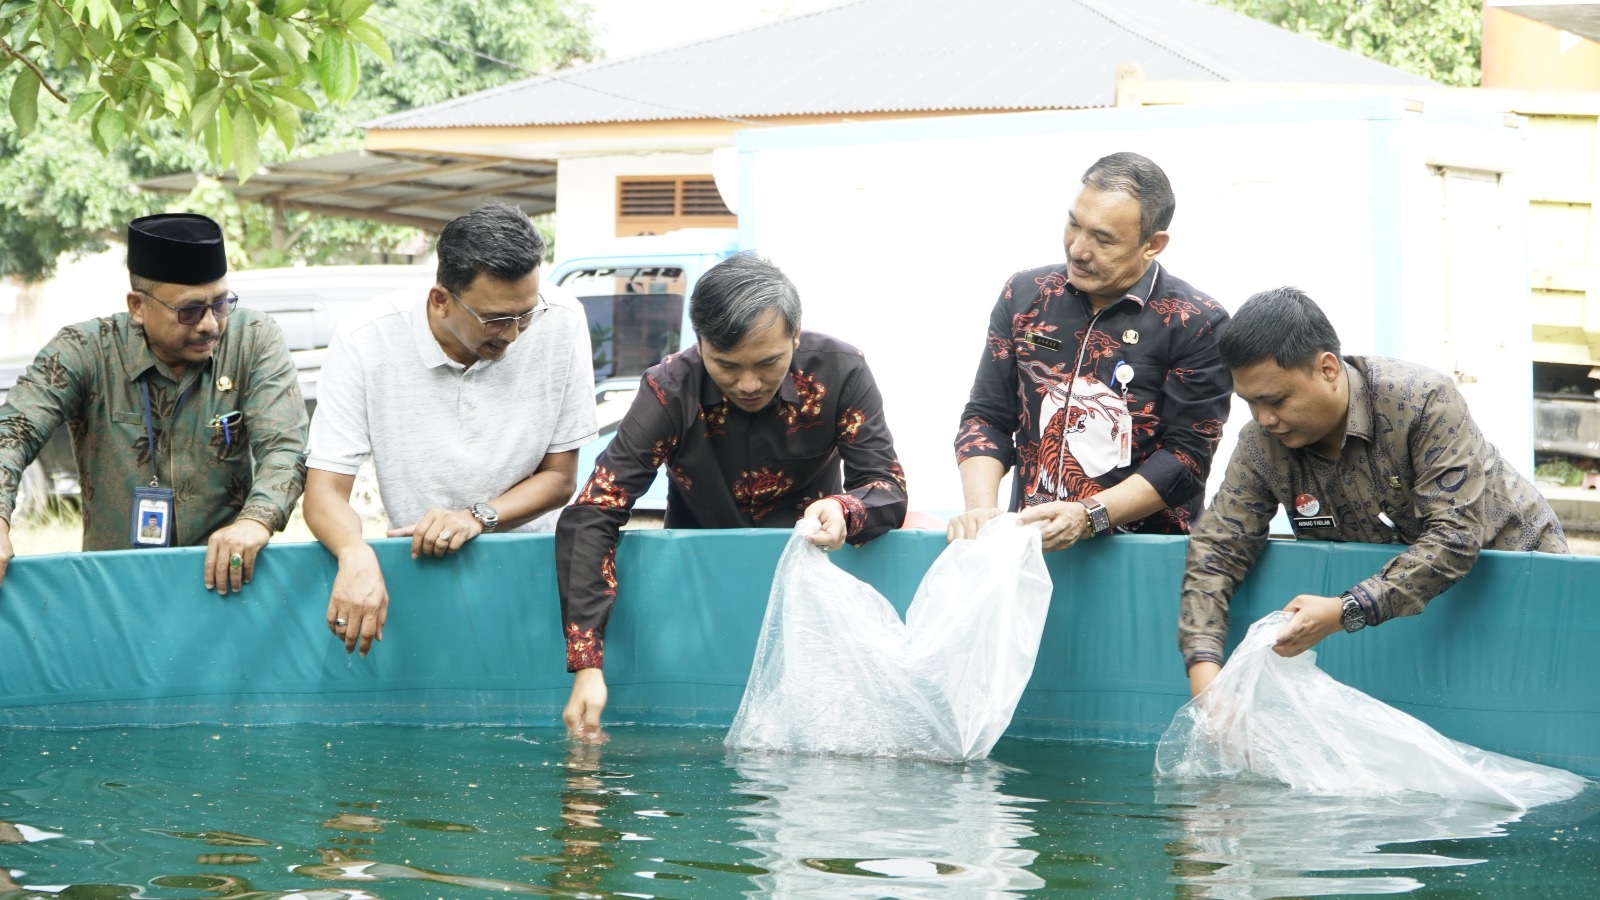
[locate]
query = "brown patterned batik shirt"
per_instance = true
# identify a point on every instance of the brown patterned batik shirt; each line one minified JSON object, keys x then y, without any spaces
{"x":1414,"y":470}
{"x":88,"y":377}
{"x":729,"y":469}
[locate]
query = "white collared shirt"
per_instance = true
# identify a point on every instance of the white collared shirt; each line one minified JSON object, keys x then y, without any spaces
{"x":442,"y":434}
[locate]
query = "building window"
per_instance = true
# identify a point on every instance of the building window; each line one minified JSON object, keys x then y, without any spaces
{"x":657,"y":204}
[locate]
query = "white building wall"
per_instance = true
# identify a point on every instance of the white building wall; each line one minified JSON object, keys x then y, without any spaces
{"x":899,"y":242}
{"x":586,"y":194}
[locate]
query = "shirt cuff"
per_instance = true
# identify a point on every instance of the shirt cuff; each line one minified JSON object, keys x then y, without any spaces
{"x":585,"y":650}
{"x":270,"y":516}
{"x":1376,"y":614}
{"x":334,"y":466}
{"x":855,"y":513}
{"x":1201,"y":648}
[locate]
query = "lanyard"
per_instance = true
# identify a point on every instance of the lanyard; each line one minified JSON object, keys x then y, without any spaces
{"x":150,"y":432}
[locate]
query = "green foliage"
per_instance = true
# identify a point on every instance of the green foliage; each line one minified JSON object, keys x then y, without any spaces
{"x":221,"y":72}
{"x":1437,"y":39}
{"x":62,"y":194}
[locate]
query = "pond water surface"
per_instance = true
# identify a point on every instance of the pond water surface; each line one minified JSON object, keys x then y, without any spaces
{"x":324,"y":812}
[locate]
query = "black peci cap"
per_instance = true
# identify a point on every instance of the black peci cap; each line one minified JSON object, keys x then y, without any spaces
{"x":177,"y":248}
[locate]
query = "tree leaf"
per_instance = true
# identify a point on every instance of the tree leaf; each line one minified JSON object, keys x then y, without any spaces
{"x":84,"y":103}
{"x":287,"y":8}
{"x":184,"y":39}
{"x":271,"y":54}
{"x":204,"y":111}
{"x":11,"y":7}
{"x":294,"y":95}
{"x":25,"y":102}
{"x":109,"y":128}
{"x":373,"y":39}
{"x":246,"y":145}
{"x":344,"y":70}
{"x":285,"y":121}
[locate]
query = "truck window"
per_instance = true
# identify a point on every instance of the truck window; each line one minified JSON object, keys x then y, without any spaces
{"x":635,"y":316}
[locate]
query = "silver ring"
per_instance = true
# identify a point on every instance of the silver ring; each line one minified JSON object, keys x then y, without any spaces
{"x":444,"y":535}
{"x":340,"y":622}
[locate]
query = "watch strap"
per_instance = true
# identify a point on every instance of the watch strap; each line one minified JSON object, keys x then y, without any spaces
{"x":1099,"y":516}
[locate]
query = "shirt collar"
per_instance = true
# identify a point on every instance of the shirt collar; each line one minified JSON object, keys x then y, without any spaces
{"x":141,"y":359}
{"x":428,"y":348}
{"x":1141,"y":291}
{"x":1359,"y":424}
{"x":711,"y":395}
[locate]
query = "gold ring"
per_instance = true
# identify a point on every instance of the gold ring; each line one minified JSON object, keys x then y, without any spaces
{"x":444,"y":535}
{"x":235,"y":561}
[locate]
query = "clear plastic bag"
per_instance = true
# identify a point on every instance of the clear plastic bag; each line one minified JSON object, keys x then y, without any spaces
{"x":837,"y":672}
{"x":1285,"y":719}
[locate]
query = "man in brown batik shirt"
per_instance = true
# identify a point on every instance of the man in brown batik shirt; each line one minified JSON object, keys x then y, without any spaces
{"x":752,"y":424}
{"x":1356,"y":449}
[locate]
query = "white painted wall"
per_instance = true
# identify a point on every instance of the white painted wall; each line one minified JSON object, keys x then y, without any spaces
{"x":899,"y":238}
{"x":586,"y":194}
{"x":83,"y":288}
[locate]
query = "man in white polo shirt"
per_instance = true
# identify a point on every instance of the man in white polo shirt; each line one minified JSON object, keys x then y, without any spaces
{"x":472,"y":402}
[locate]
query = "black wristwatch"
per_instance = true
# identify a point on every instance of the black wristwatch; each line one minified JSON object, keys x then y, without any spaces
{"x":1099,"y":517}
{"x":485,"y":515}
{"x":1354,"y":618}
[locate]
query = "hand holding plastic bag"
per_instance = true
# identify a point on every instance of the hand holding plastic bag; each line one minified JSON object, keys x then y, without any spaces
{"x":837,"y":672}
{"x":1285,"y":719}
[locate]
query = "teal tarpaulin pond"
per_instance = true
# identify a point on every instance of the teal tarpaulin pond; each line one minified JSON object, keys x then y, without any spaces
{"x":1505,"y":660}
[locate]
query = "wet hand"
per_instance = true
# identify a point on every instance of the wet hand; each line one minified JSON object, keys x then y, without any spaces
{"x":1065,"y":523}
{"x":440,"y":532}
{"x":231,"y":555}
{"x":966,"y":526}
{"x":1314,"y":619}
{"x":831,"y":521}
{"x":584,"y":706}
{"x":359,"y":604}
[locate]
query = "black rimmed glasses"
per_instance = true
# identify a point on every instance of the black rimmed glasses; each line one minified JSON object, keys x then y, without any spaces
{"x":492,"y":327}
{"x":190,"y":314}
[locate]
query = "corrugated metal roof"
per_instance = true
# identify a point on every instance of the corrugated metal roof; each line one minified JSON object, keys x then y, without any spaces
{"x":915,"y":56}
{"x":424,"y":190}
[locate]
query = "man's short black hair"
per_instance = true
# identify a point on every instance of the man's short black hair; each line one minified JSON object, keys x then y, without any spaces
{"x":1140,"y":179}
{"x":1283,"y":325}
{"x":495,"y":240}
{"x":735,"y":293}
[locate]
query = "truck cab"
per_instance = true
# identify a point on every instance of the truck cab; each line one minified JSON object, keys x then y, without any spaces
{"x":636,"y":295}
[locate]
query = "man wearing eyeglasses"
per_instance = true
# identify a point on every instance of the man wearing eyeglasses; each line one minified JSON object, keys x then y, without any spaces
{"x":472,"y":403}
{"x":185,"y":408}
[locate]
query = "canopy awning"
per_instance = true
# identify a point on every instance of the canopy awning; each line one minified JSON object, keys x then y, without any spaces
{"x":423,"y":190}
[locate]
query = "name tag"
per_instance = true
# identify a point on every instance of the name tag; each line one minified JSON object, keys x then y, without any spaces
{"x":1039,"y":340}
{"x":1312,"y":521}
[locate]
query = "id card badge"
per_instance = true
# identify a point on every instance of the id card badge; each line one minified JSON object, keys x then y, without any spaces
{"x":1124,"y":439}
{"x":151,"y":518}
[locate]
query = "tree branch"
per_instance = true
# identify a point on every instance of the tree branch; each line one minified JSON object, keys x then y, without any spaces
{"x":45,"y":82}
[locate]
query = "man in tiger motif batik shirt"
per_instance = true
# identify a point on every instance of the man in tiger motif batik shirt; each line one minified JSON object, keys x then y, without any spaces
{"x":752,"y":424}
{"x":1100,"y":384}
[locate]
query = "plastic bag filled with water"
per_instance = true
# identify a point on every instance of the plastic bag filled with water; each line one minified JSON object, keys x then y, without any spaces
{"x":837,"y":672}
{"x":1285,"y":719}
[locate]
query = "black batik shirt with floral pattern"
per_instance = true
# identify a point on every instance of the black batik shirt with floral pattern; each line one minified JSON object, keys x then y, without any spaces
{"x":1413,"y":469}
{"x":88,"y":376}
{"x":1046,"y":399}
{"x":729,"y":469}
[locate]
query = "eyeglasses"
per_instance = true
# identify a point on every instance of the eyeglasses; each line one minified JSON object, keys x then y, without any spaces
{"x":499,"y":323}
{"x":192,"y":313}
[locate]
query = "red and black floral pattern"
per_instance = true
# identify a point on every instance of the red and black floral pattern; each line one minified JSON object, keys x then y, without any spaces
{"x":1022,"y":409}
{"x":733,"y":469}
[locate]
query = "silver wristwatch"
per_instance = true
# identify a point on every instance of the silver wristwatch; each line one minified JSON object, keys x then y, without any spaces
{"x":485,"y":515}
{"x":1354,"y":618}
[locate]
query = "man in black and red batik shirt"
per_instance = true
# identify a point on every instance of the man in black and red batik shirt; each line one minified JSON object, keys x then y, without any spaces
{"x":1101,"y":381}
{"x":752,"y":424}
